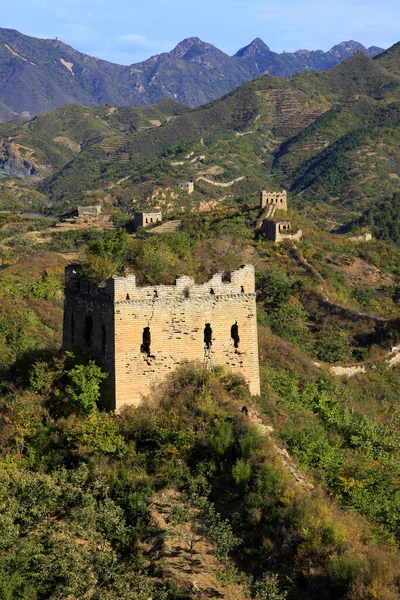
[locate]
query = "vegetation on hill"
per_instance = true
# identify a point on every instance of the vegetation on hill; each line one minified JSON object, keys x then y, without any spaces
{"x":383,"y":219}
{"x":331,"y":138}
{"x":100,"y":482}
{"x":81,"y":485}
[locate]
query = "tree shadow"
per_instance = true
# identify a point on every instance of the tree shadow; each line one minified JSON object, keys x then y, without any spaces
{"x":19,"y":372}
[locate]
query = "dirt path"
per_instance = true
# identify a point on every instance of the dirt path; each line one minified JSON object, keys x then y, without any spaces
{"x":199,"y":571}
{"x":267,"y":430}
{"x":326,"y":301}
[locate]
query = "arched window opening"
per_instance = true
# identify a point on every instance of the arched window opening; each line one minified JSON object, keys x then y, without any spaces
{"x":87,"y":334}
{"x":72,"y":328}
{"x":155,"y":294}
{"x":146,"y":340}
{"x":207,"y":336}
{"x":128,"y":297}
{"x":235,"y":335}
{"x":242,"y":289}
{"x":226,"y":277}
{"x":212,"y":292}
{"x":103,"y":340}
{"x":147,"y":220}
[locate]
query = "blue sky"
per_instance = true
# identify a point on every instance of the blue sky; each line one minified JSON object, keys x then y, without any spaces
{"x":128,"y":31}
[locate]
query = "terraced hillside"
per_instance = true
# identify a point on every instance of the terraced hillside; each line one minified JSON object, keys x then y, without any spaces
{"x":46,"y":144}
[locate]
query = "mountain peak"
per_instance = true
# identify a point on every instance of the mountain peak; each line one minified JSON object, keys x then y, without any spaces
{"x":257,"y":46}
{"x":346,"y":49}
{"x":192,"y":43}
{"x":374,"y":51}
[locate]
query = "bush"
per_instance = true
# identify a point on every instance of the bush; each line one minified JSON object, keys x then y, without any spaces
{"x":85,"y":383}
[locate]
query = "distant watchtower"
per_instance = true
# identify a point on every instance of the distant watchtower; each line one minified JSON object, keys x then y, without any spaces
{"x":277,"y":199}
{"x":187,"y":185}
{"x":145,"y":219}
{"x":140,"y":334}
{"x":279,"y":230}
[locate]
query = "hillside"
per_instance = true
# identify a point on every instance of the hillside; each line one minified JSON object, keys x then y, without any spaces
{"x":38,"y":75}
{"x":47,"y":143}
{"x":350,"y":155}
{"x":330,"y":138}
{"x":187,"y":496}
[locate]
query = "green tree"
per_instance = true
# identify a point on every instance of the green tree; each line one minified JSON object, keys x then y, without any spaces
{"x":220,"y":531}
{"x":268,"y":588}
{"x":288,"y":320}
{"x":85,"y":383}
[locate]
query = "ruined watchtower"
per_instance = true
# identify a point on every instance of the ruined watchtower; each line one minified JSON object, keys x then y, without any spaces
{"x":145,"y":219}
{"x":140,"y":334}
{"x":279,"y":230}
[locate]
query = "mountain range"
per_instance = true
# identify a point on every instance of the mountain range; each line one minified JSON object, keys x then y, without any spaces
{"x":37,"y":75}
{"x":330,"y":138}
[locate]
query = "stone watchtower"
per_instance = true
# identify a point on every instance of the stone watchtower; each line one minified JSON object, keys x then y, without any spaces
{"x":140,"y":334}
{"x":145,"y":219}
{"x":277,"y":199}
{"x":279,"y":230}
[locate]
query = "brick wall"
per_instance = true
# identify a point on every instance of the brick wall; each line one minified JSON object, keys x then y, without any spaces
{"x":150,"y":330}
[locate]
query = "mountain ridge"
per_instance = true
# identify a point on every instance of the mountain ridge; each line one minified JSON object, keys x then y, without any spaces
{"x":38,"y":76}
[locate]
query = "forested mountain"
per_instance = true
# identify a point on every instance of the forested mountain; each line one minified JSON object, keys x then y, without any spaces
{"x":38,"y":75}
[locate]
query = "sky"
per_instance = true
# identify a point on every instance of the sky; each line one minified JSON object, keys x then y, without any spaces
{"x":129,"y":31}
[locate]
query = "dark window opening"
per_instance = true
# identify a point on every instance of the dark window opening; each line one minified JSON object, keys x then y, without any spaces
{"x":207,"y":336}
{"x":155,"y":294}
{"x":72,"y":328}
{"x":127,"y":297}
{"x":88,"y":331}
{"x":226,"y":277}
{"x":242,"y":289}
{"x":212,"y":292}
{"x":103,"y":340}
{"x":146,"y":339}
{"x":235,"y":335}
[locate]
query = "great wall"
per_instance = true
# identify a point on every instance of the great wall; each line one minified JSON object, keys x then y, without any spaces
{"x":140,"y":334}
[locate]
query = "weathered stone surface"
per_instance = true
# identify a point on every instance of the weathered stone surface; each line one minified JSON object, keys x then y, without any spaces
{"x":140,"y":334}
